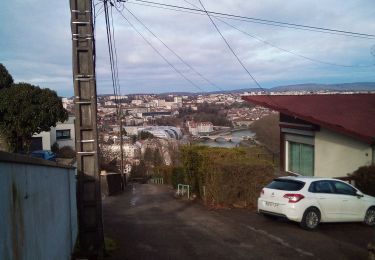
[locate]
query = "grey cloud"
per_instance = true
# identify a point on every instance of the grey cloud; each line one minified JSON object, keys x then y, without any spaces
{"x":37,"y":45}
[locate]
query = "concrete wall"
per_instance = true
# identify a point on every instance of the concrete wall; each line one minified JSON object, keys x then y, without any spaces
{"x":69,"y":124}
{"x":49,"y":138}
{"x":37,"y":208}
{"x":46,"y":140}
{"x":337,"y":155}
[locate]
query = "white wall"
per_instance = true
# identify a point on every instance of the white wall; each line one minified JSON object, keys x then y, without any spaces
{"x":337,"y":155}
{"x":46,"y":140}
{"x":49,"y":138}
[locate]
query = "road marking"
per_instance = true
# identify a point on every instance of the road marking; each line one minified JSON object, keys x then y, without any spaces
{"x":280,"y":241}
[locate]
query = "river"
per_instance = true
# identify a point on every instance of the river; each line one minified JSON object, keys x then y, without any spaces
{"x":236,"y":139}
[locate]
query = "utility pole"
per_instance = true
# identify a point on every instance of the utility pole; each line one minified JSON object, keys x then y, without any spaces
{"x":91,"y":239}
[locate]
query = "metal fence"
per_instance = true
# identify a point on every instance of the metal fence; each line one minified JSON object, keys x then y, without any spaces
{"x":157,"y":180}
{"x":37,"y":207}
{"x":183,"y":190}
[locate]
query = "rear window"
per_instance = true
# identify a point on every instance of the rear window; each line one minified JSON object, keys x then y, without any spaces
{"x":288,"y":185}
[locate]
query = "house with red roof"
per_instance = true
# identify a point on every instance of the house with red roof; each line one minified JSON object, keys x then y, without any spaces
{"x":323,"y":135}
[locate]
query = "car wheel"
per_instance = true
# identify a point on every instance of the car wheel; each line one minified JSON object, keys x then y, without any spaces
{"x":310,"y":219}
{"x":370,"y":217}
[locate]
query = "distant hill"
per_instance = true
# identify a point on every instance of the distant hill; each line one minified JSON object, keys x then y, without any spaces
{"x":358,"y":86}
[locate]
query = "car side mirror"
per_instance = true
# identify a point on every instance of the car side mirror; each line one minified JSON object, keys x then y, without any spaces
{"x":359,"y":194}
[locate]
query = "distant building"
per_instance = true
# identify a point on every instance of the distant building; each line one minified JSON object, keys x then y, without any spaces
{"x":63,"y":134}
{"x":178,"y":101}
{"x":131,"y":151}
{"x":137,"y":102}
{"x":205,"y":127}
{"x":199,"y":128}
{"x":192,"y":127}
{"x":164,"y":132}
{"x":155,"y":114}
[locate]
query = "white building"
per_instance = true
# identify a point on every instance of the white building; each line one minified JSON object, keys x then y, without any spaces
{"x":137,"y":102}
{"x":131,"y":151}
{"x":205,"y":127}
{"x":178,"y":101}
{"x":63,"y":134}
{"x":164,"y":132}
{"x":193,"y":128}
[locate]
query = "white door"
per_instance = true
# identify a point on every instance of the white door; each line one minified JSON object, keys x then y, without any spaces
{"x":352,"y":207}
{"x":329,"y":203}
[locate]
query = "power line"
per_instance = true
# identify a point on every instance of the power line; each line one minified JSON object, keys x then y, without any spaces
{"x":230,"y":48}
{"x":240,"y":19}
{"x":158,"y":52}
{"x":110,"y":49}
{"x":171,"y":50}
{"x":115,"y":79}
{"x":233,"y":52}
{"x":116,"y":64}
{"x":283,"y":49}
{"x":266,"y":21}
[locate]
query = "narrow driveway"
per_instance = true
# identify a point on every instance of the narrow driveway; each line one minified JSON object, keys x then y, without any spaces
{"x":147,"y":222}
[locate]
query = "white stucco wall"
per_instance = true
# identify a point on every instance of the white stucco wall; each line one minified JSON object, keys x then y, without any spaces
{"x":64,"y":126}
{"x":337,"y":155}
{"x":49,"y":138}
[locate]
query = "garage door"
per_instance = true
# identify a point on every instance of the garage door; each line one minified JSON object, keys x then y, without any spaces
{"x":36,"y":144}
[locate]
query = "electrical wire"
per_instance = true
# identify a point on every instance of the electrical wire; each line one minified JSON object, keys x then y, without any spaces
{"x":100,"y":11}
{"x":158,"y":52}
{"x":283,"y":49}
{"x":265,"y":21}
{"x":234,"y":53}
{"x":115,"y":56}
{"x":230,"y":48}
{"x":110,"y":52}
{"x":237,"y":19}
{"x":171,"y":50}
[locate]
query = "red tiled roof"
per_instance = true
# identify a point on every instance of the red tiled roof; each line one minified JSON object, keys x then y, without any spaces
{"x":350,"y":114}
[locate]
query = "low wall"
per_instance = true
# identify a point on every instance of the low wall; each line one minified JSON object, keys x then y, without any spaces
{"x":37,"y":208}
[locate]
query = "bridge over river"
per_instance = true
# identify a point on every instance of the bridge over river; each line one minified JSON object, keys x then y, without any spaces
{"x":235,"y":135}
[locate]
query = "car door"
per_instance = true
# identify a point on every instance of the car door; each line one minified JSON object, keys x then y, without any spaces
{"x":352,"y":206}
{"x":323,"y":192}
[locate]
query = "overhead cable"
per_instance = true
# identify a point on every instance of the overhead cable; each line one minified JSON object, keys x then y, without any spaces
{"x":283,"y":49}
{"x":234,"y":53}
{"x":171,"y":50}
{"x":158,"y":52}
{"x":264,"y":21}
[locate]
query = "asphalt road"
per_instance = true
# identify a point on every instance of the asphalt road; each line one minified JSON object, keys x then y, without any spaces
{"x":147,"y":222}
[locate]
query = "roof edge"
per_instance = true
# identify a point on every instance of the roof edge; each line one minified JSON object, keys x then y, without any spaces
{"x":336,"y":128}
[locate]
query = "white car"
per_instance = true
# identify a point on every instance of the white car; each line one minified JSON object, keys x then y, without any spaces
{"x":310,"y":200}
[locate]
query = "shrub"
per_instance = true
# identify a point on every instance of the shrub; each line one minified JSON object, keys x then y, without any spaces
{"x":364,"y":178}
{"x":55,"y":148}
{"x":177,"y":177}
{"x":66,"y":152}
{"x":268,"y":132}
{"x":226,"y":176}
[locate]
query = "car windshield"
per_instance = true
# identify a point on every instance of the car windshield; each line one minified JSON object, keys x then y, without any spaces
{"x":288,"y":185}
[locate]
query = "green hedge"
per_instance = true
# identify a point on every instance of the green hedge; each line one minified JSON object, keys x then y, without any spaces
{"x":225,"y":177}
{"x":364,"y":179}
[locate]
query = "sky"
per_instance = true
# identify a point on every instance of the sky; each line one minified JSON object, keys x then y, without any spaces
{"x":35,"y":45}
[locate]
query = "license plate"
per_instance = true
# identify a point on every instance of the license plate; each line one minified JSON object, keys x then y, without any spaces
{"x":271,"y":204}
